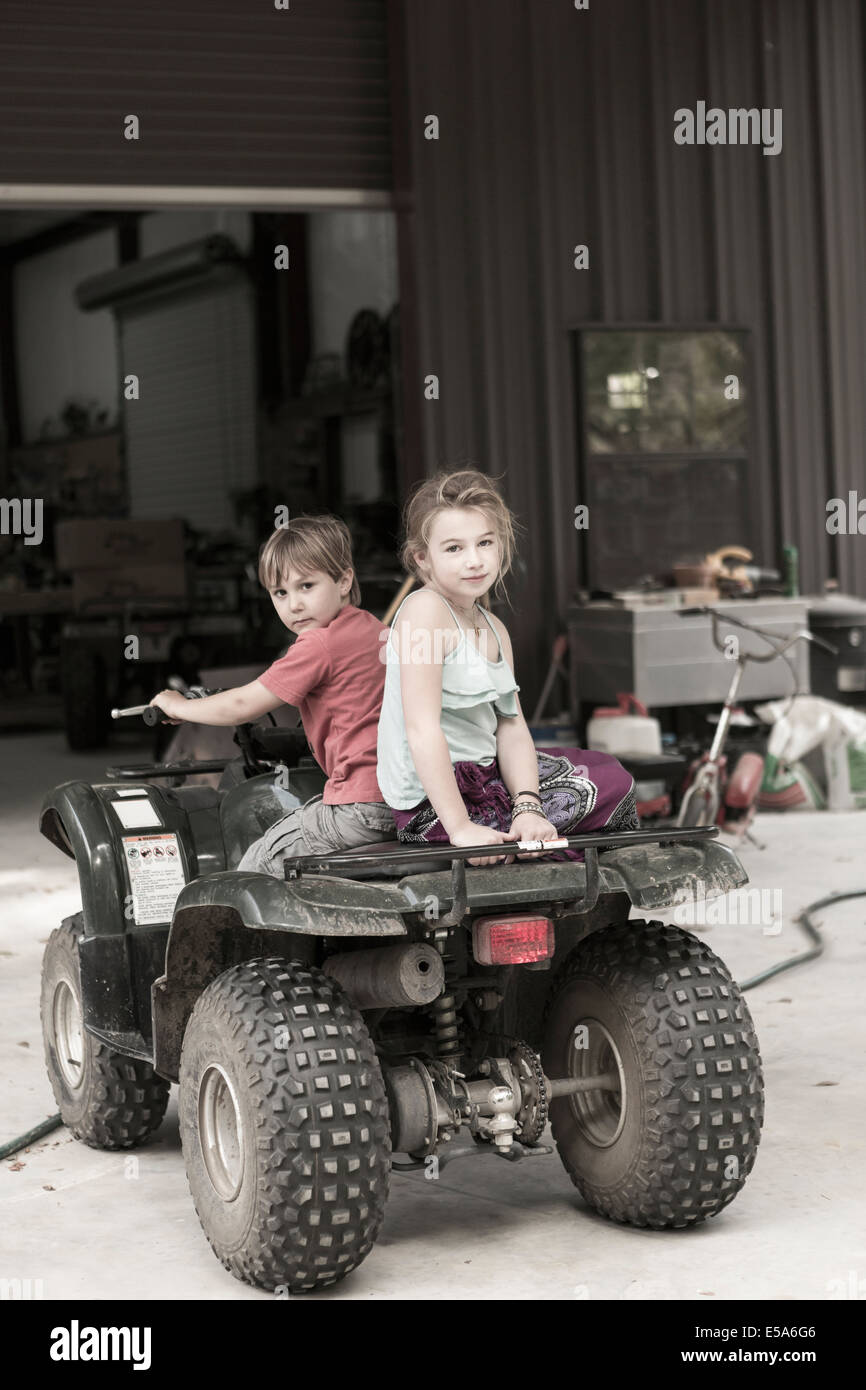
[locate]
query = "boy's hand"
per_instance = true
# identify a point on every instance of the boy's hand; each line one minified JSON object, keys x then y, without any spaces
{"x":172,"y":703}
{"x":530,"y":825}
{"x":481,"y":835}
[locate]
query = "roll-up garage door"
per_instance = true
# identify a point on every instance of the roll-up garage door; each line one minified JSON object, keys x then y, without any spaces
{"x":190,"y":437}
{"x":227,"y":93}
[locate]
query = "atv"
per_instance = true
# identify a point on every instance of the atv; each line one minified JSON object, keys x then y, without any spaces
{"x":386,"y":1001}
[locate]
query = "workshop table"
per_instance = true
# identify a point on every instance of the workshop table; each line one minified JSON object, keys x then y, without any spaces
{"x":667,"y":659}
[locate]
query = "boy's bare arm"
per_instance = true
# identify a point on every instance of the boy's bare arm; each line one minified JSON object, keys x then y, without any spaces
{"x":229,"y":707}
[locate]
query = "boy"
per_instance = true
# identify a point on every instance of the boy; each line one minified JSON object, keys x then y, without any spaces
{"x":335,"y":676}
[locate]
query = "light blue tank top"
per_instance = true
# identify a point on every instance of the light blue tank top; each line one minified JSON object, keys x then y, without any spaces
{"x":475,"y":692}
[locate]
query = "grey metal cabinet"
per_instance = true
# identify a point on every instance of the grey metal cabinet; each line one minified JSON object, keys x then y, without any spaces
{"x":667,"y":659}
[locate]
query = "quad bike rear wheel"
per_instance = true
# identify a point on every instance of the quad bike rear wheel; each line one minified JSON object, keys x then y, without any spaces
{"x":670,"y":1136}
{"x":108,"y":1100}
{"x":284,"y":1125}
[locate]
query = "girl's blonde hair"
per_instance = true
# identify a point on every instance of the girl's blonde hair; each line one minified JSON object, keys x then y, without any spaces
{"x":308,"y":543}
{"x":467,"y":487}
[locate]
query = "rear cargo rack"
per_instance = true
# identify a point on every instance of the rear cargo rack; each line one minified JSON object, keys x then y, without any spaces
{"x":343,"y":865}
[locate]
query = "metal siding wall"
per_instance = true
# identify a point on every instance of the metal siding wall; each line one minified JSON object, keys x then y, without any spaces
{"x":557,"y":128}
{"x":840,"y":30}
{"x":795,"y":280}
{"x":684,"y":224}
{"x":227,"y":93}
{"x":738,"y":197}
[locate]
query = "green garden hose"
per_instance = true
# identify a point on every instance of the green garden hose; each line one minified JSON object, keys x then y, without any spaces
{"x":39,"y":1132}
{"x":804,"y":920}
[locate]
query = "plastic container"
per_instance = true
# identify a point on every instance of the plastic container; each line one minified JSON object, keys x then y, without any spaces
{"x":619,"y":731}
{"x":624,"y":734}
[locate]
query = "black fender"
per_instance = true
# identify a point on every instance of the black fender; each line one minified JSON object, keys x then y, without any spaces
{"x":120,"y":958}
{"x":231,"y":917}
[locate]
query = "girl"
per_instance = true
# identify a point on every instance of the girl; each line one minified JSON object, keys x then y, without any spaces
{"x":456,"y":761}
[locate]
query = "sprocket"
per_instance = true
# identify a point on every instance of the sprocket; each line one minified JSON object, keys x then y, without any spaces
{"x":526,"y":1068}
{"x":532,"y":1115}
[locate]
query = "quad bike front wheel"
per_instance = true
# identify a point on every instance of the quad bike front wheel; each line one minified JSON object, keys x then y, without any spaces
{"x":108,"y":1100}
{"x":284,"y":1125}
{"x":669,"y":1135}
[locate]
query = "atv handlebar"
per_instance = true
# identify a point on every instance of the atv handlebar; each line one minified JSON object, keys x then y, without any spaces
{"x":259,"y":746}
{"x":152,"y":714}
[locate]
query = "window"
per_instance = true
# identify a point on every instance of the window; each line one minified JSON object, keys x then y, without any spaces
{"x":664,"y":429}
{"x":658,"y":391}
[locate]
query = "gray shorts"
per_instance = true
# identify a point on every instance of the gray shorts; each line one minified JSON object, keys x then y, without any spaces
{"x":315,"y":828}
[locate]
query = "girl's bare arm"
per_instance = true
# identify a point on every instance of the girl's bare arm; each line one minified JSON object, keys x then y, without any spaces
{"x":515,"y":750}
{"x":421,"y":644}
{"x":518,"y":763}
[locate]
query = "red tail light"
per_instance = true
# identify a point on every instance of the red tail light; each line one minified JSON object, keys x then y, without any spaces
{"x":513,"y":940}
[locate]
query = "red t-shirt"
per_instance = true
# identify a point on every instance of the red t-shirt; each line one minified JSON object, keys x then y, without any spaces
{"x":335,"y":676}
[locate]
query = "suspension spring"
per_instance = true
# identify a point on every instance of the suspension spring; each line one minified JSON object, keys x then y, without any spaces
{"x":447,"y":1032}
{"x":448,"y":1044}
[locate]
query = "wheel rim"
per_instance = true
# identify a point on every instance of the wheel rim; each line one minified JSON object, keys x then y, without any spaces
{"x":221,"y":1132}
{"x":68,"y":1035}
{"x":600,"y":1113}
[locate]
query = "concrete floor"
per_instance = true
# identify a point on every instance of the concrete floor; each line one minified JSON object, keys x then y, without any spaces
{"x":96,"y":1225}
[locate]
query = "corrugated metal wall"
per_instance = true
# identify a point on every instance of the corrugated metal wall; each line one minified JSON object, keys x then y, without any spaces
{"x":556,"y":128}
{"x":227,"y":93}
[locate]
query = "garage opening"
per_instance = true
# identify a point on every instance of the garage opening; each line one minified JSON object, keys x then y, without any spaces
{"x":193,"y":370}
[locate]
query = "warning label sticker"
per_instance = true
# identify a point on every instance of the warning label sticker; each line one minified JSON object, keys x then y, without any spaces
{"x":155,"y":876}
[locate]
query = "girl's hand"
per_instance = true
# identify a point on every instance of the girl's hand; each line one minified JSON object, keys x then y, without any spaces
{"x":172,"y":703}
{"x":482,"y":835}
{"x":530,"y":825}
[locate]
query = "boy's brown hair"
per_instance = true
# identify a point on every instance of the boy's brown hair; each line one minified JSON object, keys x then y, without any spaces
{"x":308,"y":543}
{"x":467,"y":487}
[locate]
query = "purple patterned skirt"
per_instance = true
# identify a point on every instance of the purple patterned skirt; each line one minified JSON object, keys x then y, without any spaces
{"x":580,"y":791}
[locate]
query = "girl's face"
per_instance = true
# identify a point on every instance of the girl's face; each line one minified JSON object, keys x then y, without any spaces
{"x":463,"y":556}
{"x":307,"y":601}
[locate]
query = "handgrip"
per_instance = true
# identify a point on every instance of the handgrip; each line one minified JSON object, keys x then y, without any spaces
{"x":152,"y":714}
{"x":149,"y":713}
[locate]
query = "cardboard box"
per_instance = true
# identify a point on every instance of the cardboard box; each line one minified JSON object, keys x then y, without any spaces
{"x":107,"y":544}
{"x":81,"y":475}
{"x":96,"y":587}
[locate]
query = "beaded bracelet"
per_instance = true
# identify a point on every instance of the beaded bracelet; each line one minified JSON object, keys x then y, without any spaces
{"x":520,"y":807}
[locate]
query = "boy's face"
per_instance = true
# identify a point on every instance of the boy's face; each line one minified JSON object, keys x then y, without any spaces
{"x":307,"y":601}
